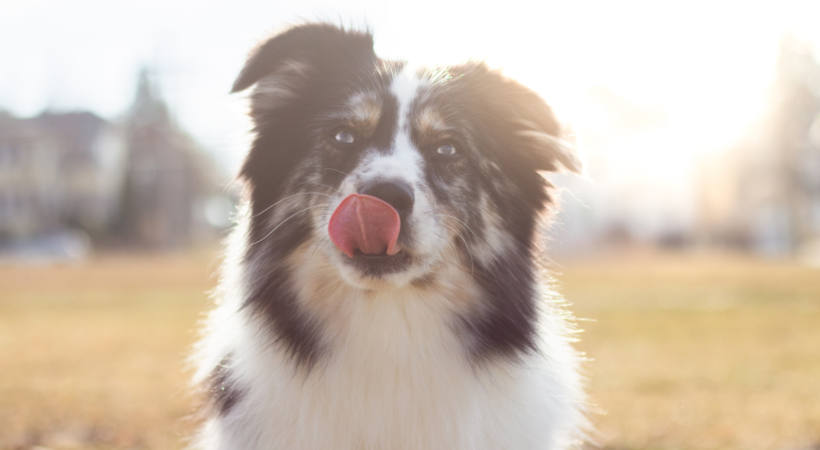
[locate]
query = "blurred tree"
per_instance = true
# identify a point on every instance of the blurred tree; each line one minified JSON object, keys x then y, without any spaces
{"x":165,"y":174}
{"x":774,"y":174}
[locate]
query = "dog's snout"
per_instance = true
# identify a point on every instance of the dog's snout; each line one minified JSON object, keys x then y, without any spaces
{"x":399,"y":194}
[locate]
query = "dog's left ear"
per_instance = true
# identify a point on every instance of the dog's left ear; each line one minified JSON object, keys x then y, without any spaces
{"x":284,"y":65}
{"x":319,"y":45}
{"x":523,"y":123}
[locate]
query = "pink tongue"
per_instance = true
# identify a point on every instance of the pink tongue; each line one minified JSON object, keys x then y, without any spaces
{"x":365,"y":223}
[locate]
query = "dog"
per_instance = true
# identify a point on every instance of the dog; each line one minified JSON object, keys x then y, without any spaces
{"x":382,"y":286}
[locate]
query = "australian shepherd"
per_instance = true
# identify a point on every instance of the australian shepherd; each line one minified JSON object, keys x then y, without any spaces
{"x":382,"y":287}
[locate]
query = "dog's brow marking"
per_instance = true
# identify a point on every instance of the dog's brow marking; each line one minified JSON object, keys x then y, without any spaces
{"x":430,"y":120}
{"x":365,"y":108}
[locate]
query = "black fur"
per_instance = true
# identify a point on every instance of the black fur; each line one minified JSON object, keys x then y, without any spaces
{"x":273,"y":298}
{"x":336,"y":59}
{"x":222,"y":393}
{"x":326,"y":46}
{"x":491,"y":104}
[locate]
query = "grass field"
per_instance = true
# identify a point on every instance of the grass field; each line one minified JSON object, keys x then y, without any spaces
{"x":687,"y":351}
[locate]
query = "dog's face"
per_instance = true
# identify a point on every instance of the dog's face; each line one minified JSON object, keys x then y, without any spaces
{"x":389,"y":140}
{"x":455,"y":153}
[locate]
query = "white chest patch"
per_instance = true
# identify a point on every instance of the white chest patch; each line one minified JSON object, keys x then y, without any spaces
{"x":395,"y":377}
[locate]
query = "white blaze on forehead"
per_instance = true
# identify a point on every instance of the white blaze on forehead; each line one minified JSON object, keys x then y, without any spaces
{"x":405,"y":87}
{"x":403,"y":160}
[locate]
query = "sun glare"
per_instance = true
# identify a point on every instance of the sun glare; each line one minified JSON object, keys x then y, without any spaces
{"x":643,"y":84}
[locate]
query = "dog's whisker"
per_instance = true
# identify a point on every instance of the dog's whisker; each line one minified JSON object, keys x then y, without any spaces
{"x":273,"y":230}
{"x":452,"y":245}
{"x":464,"y":226}
{"x":288,"y":197}
{"x":334,"y":170}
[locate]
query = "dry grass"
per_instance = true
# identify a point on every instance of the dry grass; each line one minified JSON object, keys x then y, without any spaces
{"x":689,"y":351}
{"x":701,"y":351}
{"x":93,"y":355}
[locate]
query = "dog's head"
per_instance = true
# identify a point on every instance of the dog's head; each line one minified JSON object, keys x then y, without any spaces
{"x":390,"y":171}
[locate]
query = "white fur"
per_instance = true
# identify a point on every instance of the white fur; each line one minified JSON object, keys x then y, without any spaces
{"x":394,"y":378}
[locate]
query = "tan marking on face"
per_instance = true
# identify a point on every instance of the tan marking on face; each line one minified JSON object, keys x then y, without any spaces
{"x":430,"y":121}
{"x":363,"y":111}
{"x":317,"y":279}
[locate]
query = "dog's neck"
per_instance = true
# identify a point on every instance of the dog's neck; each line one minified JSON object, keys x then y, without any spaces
{"x":405,"y":321}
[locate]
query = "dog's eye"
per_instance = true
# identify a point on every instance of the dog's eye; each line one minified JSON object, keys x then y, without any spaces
{"x":344,"y":136}
{"x":446,"y":150}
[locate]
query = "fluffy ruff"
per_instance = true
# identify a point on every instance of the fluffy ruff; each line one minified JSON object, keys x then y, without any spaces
{"x":448,"y":341}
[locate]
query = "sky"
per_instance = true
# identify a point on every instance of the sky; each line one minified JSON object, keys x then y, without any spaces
{"x":695,"y":73}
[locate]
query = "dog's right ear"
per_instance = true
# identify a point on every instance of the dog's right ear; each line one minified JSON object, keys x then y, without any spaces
{"x":280,"y":65}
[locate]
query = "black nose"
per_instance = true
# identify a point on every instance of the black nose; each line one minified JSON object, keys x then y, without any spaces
{"x":398,"y":194}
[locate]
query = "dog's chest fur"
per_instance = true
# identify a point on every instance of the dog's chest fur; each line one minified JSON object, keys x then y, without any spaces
{"x":393,"y":378}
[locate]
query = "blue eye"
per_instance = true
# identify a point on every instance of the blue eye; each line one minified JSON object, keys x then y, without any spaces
{"x":344,"y":136}
{"x":447,"y":149}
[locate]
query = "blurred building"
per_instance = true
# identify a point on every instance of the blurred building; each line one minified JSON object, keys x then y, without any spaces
{"x":139,"y":180}
{"x":765,"y":193}
{"x":27,"y":173}
{"x":58,"y":170}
